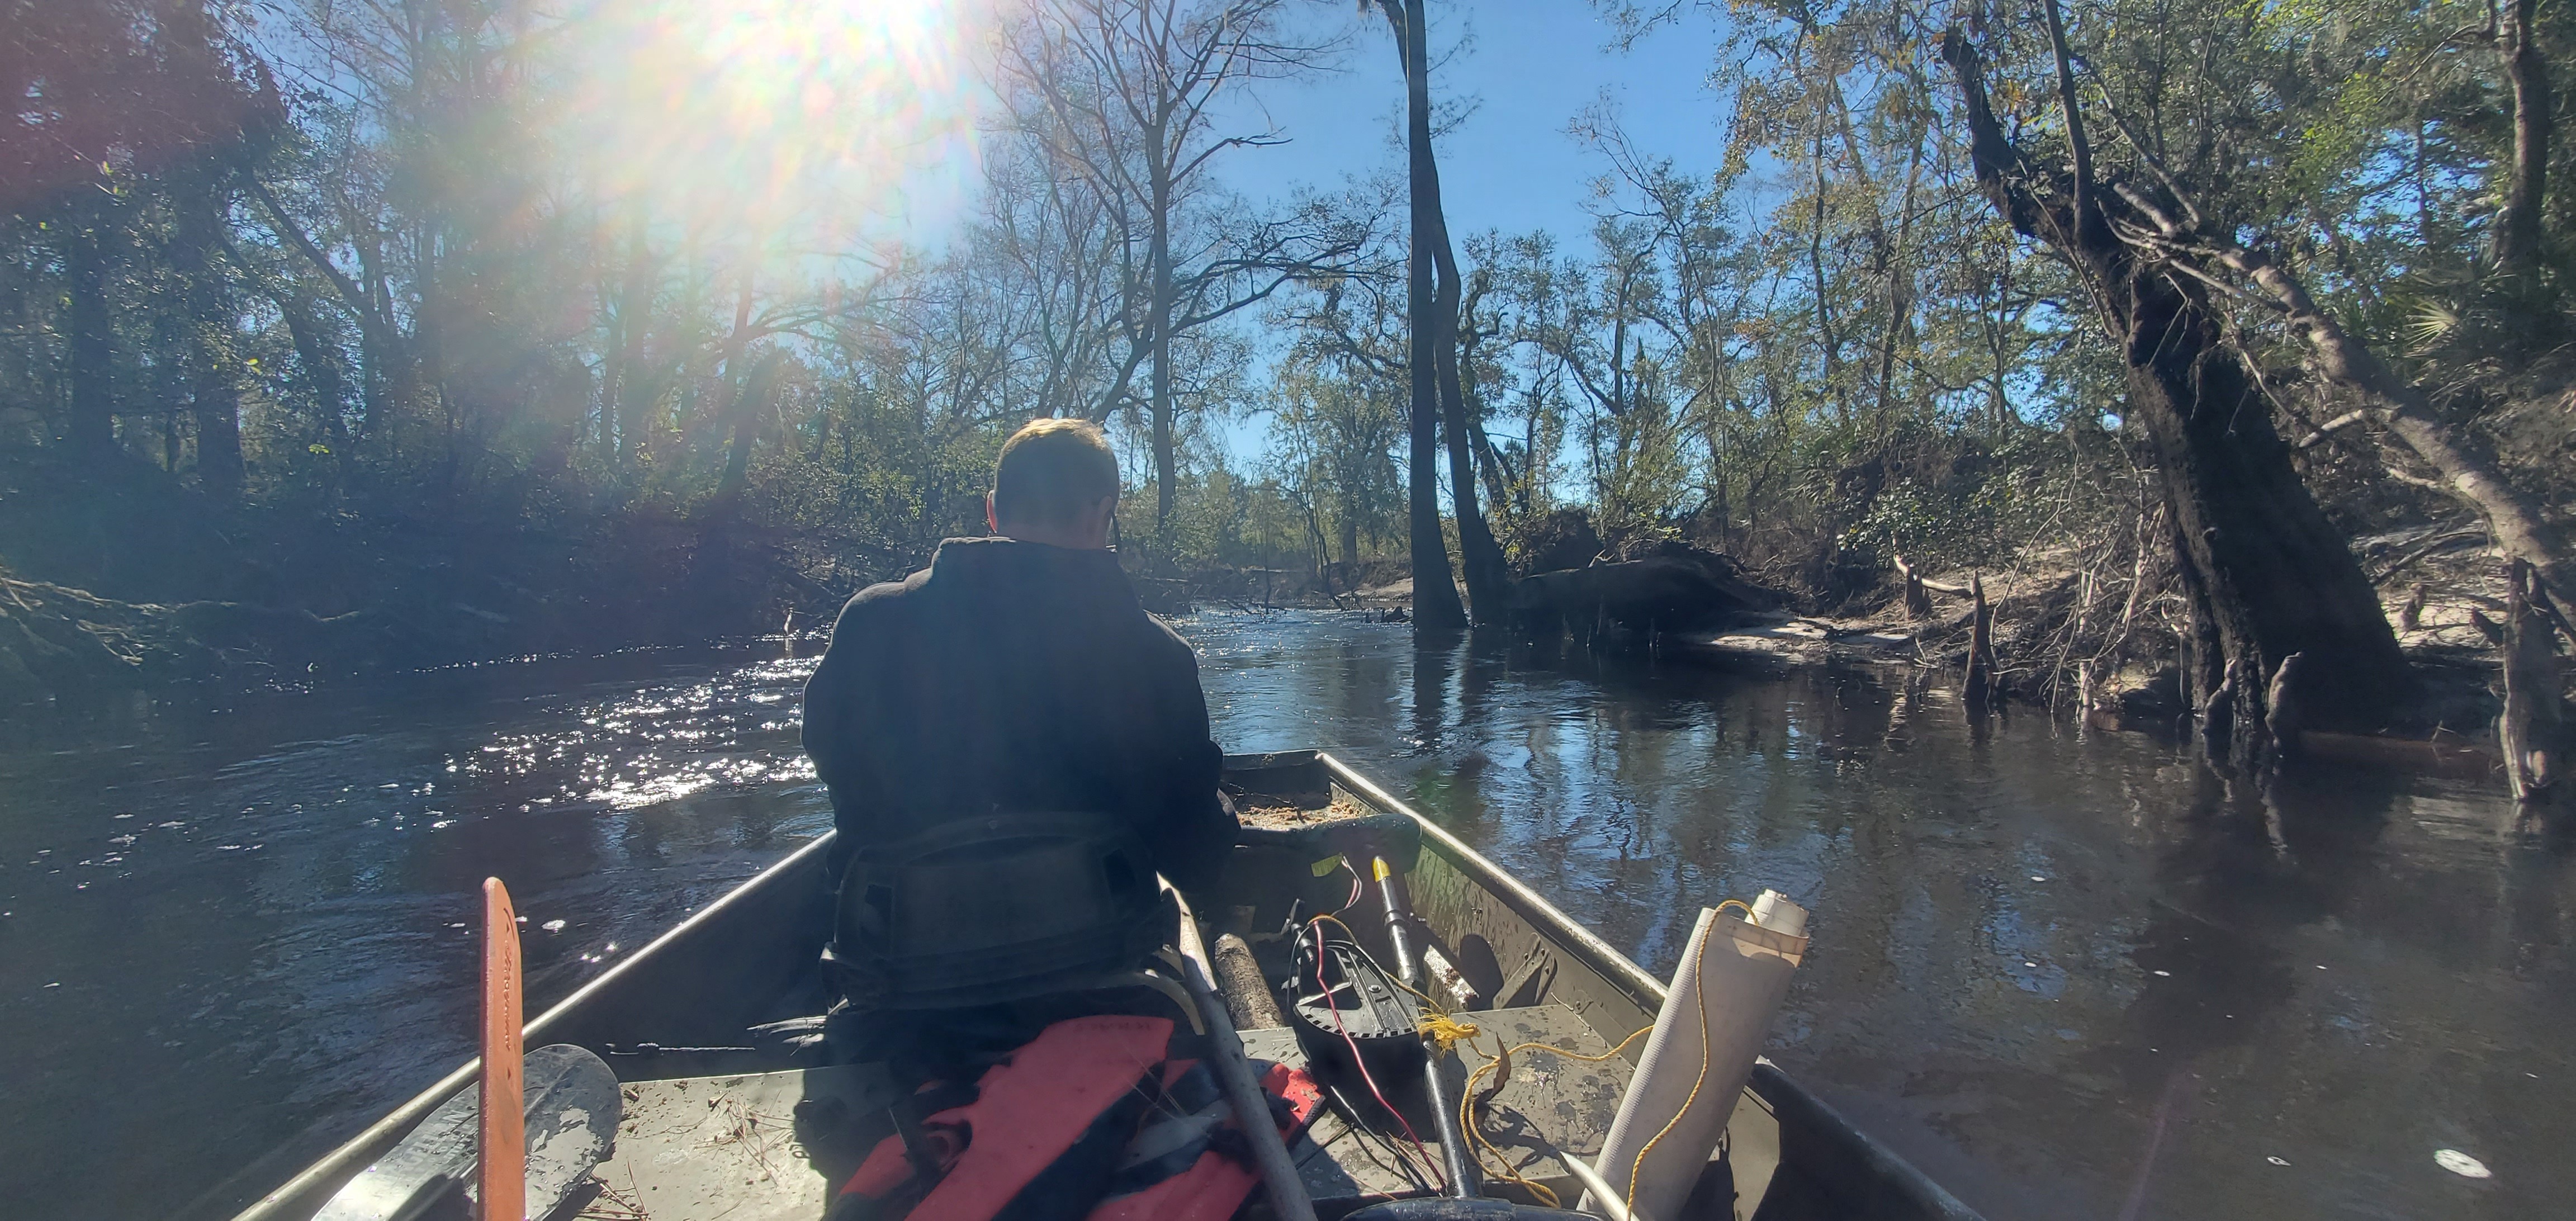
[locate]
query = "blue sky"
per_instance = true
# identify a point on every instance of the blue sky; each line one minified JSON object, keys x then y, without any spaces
{"x":1521,"y":69}
{"x":1529,"y":67}
{"x":1526,"y":68}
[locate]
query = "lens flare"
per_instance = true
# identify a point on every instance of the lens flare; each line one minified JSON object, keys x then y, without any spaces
{"x":795,"y":123}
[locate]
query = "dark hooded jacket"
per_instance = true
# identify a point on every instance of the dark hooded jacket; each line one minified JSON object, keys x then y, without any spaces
{"x":1015,"y":677}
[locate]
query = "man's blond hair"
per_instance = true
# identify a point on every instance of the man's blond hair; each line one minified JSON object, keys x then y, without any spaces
{"x":1052,"y":470}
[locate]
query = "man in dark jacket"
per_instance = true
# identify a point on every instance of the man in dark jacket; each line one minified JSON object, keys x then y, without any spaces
{"x":1017,"y":674}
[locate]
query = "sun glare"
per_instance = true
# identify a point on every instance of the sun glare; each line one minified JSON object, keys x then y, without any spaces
{"x":795,"y":123}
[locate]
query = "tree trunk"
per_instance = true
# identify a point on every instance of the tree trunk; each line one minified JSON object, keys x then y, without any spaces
{"x":1488,"y":576}
{"x":198,"y":198}
{"x":2286,"y":714}
{"x":321,"y":364}
{"x":91,"y":428}
{"x":1489,"y":465}
{"x":1978,"y":687}
{"x":393,"y":369}
{"x":617,"y":424}
{"x":1158,"y":258}
{"x":2517,"y":223}
{"x":1918,"y":600}
{"x":1166,"y":447}
{"x":750,"y":410}
{"x":217,"y":408}
{"x":740,"y":390}
{"x":2532,"y":731}
{"x":2267,"y":574}
{"x":1498,"y":476}
{"x":1435,"y":593}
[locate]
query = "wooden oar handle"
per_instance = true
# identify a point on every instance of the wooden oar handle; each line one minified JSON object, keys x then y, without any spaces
{"x":504,"y":1179}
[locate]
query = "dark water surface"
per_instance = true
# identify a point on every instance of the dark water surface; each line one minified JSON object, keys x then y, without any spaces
{"x":2071,"y":976}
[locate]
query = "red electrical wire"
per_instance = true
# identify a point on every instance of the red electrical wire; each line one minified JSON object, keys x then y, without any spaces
{"x":1321,"y":952}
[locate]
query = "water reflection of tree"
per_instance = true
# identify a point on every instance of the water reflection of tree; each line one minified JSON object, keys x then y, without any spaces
{"x":2240,"y":867}
{"x":1435,"y":655}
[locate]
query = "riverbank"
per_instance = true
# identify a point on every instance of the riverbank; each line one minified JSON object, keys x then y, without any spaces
{"x":127,"y":582}
{"x":2060,"y":644}
{"x":62,"y":645}
{"x":118,"y":579}
{"x":59,"y":643}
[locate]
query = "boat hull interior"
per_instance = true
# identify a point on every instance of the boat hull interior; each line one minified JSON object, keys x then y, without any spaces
{"x":712,"y":1120}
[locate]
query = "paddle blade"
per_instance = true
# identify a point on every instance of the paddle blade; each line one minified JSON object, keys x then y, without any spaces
{"x":504,"y":1183}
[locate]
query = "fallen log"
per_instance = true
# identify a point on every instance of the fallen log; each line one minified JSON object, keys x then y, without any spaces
{"x":60,"y":641}
{"x":2441,"y":758}
{"x":2439,"y":542}
{"x":1674,"y":587}
{"x":1835,"y":631}
{"x":1163,"y":597}
{"x":57,"y":641}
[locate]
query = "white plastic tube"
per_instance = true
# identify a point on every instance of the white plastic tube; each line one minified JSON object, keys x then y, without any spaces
{"x":1732,"y":978}
{"x":1598,"y":1199}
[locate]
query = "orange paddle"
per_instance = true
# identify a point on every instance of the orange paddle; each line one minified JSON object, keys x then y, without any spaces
{"x":504,"y":1182}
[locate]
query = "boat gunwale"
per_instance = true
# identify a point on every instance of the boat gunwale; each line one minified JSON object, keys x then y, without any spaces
{"x":346,"y":1159}
{"x":300,"y":1197}
{"x":1604,"y":959}
{"x":1769,"y":1083}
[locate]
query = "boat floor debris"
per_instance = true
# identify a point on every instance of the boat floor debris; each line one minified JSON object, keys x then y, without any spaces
{"x":1573,"y":1101}
{"x":729,"y":1146}
{"x":1281,"y":813}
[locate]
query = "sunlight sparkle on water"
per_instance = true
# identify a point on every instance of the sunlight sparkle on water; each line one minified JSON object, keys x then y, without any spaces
{"x":655,"y":744}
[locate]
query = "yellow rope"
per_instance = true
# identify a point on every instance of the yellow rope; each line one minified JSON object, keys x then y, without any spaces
{"x":1481,"y":1149}
{"x":1446,"y":1032}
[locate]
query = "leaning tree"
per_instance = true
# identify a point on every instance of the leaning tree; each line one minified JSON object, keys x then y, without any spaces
{"x":2265,"y":574}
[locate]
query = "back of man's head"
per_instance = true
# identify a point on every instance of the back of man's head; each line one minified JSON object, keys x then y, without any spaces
{"x":1051,"y":472}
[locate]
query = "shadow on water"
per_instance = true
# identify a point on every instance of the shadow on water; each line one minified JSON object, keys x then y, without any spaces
{"x":2069,"y":973}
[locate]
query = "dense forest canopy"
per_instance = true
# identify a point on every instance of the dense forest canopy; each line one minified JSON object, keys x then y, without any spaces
{"x":548,"y":312}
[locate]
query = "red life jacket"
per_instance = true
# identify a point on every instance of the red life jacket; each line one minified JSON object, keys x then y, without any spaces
{"x":1088,"y":1119}
{"x":1190,"y":1161}
{"x":1040,"y":1140}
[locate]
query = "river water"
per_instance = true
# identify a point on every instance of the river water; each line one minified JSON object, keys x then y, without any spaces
{"x":2070,"y":975}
